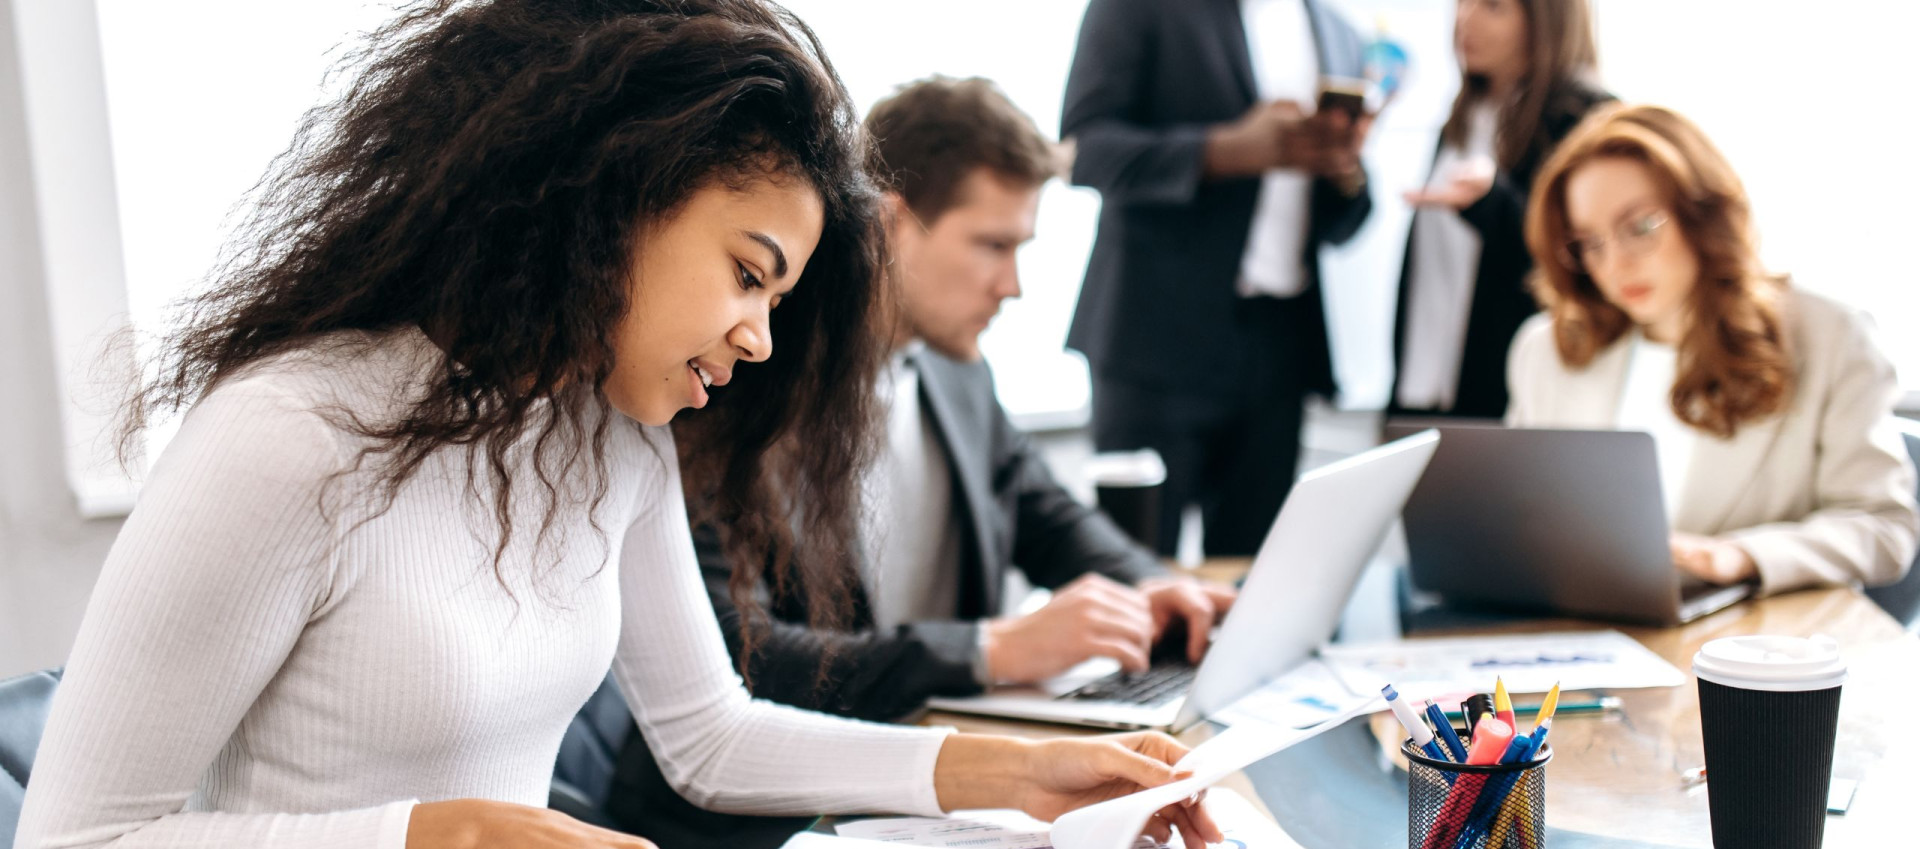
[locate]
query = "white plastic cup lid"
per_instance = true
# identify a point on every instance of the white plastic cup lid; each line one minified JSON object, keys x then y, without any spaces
{"x":1128,"y":468}
{"x":1776,"y":664}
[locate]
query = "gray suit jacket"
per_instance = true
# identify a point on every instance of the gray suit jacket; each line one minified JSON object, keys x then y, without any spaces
{"x":1013,"y":513}
{"x":1819,"y":494}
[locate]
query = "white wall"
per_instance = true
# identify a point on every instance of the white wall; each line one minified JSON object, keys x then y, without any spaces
{"x":1810,"y":102}
{"x":48,"y":553}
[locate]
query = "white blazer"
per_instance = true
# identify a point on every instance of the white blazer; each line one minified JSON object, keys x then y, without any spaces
{"x":1822,"y":493}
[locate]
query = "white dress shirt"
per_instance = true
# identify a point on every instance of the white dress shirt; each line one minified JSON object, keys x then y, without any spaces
{"x":1440,"y":280}
{"x":910,"y":538}
{"x":1286,"y":66}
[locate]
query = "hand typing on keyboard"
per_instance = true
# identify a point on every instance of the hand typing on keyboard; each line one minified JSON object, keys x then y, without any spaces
{"x":1098,"y":617}
{"x":1092,"y":617}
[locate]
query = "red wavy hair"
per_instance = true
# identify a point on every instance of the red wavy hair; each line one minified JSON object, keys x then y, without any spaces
{"x":1734,"y":365}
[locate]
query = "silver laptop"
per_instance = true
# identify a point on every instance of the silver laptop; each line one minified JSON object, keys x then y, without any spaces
{"x":1329,"y":527}
{"x":1559,"y":521}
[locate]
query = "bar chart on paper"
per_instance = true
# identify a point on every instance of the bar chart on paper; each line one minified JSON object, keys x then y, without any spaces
{"x":1529,"y":663}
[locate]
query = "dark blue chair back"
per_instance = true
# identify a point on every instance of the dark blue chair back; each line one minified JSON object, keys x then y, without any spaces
{"x":24,"y":702}
{"x":1901,"y":599}
{"x":583,"y":774}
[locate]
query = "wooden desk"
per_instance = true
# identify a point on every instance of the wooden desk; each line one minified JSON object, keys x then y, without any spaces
{"x":1620,"y":776}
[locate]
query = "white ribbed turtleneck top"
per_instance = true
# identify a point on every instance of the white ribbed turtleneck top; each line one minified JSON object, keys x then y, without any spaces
{"x":258,"y":670}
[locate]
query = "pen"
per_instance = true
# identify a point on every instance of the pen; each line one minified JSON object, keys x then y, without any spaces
{"x":1504,"y":822}
{"x":1601,"y":704}
{"x":1502,"y":703}
{"x":1422,"y":736}
{"x":1545,"y":724}
{"x":1489,"y":746}
{"x":1498,"y":787}
{"x":1444,"y":729}
{"x":1528,"y":838}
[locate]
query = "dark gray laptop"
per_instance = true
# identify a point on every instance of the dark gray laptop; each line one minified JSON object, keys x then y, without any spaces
{"x":1562,"y":521}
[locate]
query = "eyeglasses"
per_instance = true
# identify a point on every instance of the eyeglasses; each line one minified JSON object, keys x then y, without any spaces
{"x":1637,"y":236}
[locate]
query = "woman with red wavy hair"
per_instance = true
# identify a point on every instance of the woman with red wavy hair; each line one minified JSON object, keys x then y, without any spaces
{"x":1770,"y":407}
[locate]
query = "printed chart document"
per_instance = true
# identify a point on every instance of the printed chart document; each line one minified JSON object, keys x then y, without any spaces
{"x":1245,"y":827}
{"x":1528,"y":663}
{"x":1307,"y":695}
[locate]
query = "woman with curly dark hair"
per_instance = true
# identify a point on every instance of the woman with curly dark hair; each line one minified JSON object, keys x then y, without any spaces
{"x":1771,"y":408}
{"x":425,"y":492}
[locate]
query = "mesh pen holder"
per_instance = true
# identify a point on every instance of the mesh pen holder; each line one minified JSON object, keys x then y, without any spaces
{"x":1458,"y":806}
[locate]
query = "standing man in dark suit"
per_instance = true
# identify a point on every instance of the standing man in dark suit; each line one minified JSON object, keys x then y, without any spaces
{"x":1201,"y":314}
{"x":958,"y":496}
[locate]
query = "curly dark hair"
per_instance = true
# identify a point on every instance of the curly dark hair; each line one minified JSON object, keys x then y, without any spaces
{"x":486,"y":177}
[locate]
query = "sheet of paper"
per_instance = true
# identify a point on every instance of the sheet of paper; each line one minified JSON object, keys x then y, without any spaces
{"x":1305,"y":696}
{"x":1115,"y":823}
{"x":816,"y":840}
{"x":971,"y":829}
{"x":1245,"y":827}
{"x":1528,"y":663}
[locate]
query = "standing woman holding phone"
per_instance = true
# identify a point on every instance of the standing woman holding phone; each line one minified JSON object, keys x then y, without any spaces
{"x":425,"y":494}
{"x":1527,"y":77}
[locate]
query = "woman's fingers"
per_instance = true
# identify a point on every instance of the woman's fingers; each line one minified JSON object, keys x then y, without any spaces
{"x":1190,"y":835}
{"x":1204,"y":824}
{"x":1126,"y":764}
{"x":1159,"y":828}
{"x":1156,"y":745}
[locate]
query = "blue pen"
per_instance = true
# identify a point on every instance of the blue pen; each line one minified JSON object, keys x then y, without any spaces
{"x":1488,"y":805}
{"x":1445,"y":729}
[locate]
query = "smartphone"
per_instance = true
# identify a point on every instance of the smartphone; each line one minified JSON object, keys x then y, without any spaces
{"x":1345,"y":94}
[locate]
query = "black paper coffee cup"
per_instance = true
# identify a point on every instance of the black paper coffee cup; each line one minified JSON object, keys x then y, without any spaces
{"x":1127,"y":486}
{"x":1769,"y":709}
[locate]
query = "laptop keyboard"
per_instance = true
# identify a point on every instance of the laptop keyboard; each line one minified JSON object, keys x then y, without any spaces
{"x":1161,"y":683}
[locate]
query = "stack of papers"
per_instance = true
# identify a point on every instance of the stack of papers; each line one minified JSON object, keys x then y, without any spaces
{"x":1428,"y":668}
{"x":1528,"y":663}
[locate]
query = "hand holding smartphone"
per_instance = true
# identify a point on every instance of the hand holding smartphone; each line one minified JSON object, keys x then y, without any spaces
{"x":1343,"y":94}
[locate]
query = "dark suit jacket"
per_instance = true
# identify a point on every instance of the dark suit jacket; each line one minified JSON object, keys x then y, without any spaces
{"x":1501,"y":301}
{"x":1012,"y":512}
{"x":1149,"y":78}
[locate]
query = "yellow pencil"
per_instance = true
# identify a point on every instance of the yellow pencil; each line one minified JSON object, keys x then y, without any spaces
{"x":1546,"y":707}
{"x":1504,"y":824}
{"x":1502,"y":703}
{"x":1541,"y":727}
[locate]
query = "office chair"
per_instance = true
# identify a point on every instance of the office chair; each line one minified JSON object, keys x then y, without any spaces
{"x":1901,"y":599}
{"x":583,"y":774}
{"x":23,"y":714}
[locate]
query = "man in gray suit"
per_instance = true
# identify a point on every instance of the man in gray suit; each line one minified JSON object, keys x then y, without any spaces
{"x":959,"y":496}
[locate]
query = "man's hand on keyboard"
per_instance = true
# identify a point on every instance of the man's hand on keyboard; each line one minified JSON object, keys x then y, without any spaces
{"x":1179,"y":599}
{"x":1092,"y":617}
